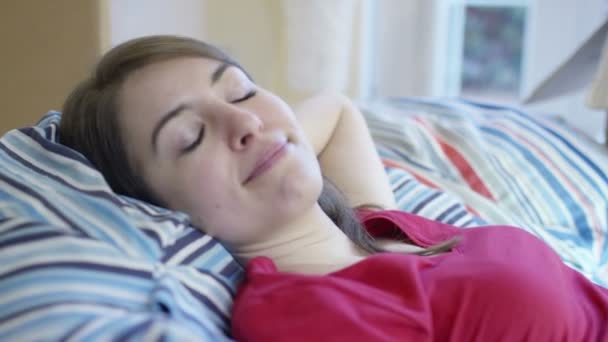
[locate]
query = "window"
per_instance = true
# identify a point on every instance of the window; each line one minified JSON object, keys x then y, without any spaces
{"x":485,"y":49}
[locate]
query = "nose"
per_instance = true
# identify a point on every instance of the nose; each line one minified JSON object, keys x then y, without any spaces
{"x":243,"y":127}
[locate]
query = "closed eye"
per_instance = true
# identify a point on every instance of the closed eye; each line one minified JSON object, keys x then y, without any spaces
{"x":246,"y":97}
{"x":201,"y":132}
{"x":196,"y":142}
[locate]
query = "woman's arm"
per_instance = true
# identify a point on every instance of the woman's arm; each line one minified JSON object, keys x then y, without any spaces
{"x":346,"y":152}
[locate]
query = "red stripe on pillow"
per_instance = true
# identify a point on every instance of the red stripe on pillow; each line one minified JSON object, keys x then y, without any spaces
{"x":462,"y":165}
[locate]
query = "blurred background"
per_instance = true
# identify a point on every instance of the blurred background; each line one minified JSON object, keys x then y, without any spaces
{"x":496,"y":51}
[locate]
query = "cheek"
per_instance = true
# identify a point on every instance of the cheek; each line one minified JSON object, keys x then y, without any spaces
{"x":207,"y":193}
{"x":213,"y":201}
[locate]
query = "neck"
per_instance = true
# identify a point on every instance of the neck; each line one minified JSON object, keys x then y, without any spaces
{"x":310,"y":244}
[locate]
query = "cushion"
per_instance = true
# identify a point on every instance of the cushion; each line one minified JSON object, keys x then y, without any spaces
{"x":468,"y":163}
{"x":78,"y":261}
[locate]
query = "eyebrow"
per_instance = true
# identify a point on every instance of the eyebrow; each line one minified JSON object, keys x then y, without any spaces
{"x":166,"y":117}
{"x":215,"y":76}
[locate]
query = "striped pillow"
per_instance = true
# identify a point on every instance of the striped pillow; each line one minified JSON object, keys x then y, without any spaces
{"x":78,"y":261}
{"x":460,"y":161}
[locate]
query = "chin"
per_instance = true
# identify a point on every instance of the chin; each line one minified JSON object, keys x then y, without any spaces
{"x":298,"y":196}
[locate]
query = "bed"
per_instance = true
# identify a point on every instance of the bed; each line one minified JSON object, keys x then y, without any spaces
{"x":80,"y":262}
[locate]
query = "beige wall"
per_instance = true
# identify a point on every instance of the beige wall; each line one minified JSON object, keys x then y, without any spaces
{"x":255,"y":33}
{"x":47,"y":47}
{"x":251,"y":32}
{"x":51,"y":45}
{"x":127,"y":19}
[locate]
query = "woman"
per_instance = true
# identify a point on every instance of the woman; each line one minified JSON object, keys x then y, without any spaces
{"x":178,"y":123}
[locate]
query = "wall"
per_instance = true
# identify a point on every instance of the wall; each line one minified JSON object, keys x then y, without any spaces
{"x":410,"y":41}
{"x":256,"y":34}
{"x":556,"y":29}
{"x":51,"y":45}
{"x":404,"y":41}
{"x":47,"y":47}
{"x":247,"y":30}
{"x":251,"y":32}
{"x":127,"y":19}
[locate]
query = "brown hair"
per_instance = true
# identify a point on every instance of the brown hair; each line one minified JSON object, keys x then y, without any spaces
{"x":89,"y":125}
{"x":89,"y":121}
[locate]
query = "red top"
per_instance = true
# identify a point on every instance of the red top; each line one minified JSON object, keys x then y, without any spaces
{"x":498,"y":284}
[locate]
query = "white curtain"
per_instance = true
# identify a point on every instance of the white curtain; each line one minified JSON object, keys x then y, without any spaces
{"x":320,"y":39}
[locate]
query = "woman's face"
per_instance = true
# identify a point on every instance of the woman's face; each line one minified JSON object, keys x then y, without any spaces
{"x":209,"y":142}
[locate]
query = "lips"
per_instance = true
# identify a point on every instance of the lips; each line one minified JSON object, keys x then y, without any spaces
{"x":267,"y":159}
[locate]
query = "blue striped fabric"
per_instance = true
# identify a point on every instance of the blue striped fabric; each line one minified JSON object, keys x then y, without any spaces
{"x":469,"y":163}
{"x":79,"y":262}
{"x":422,"y":199}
